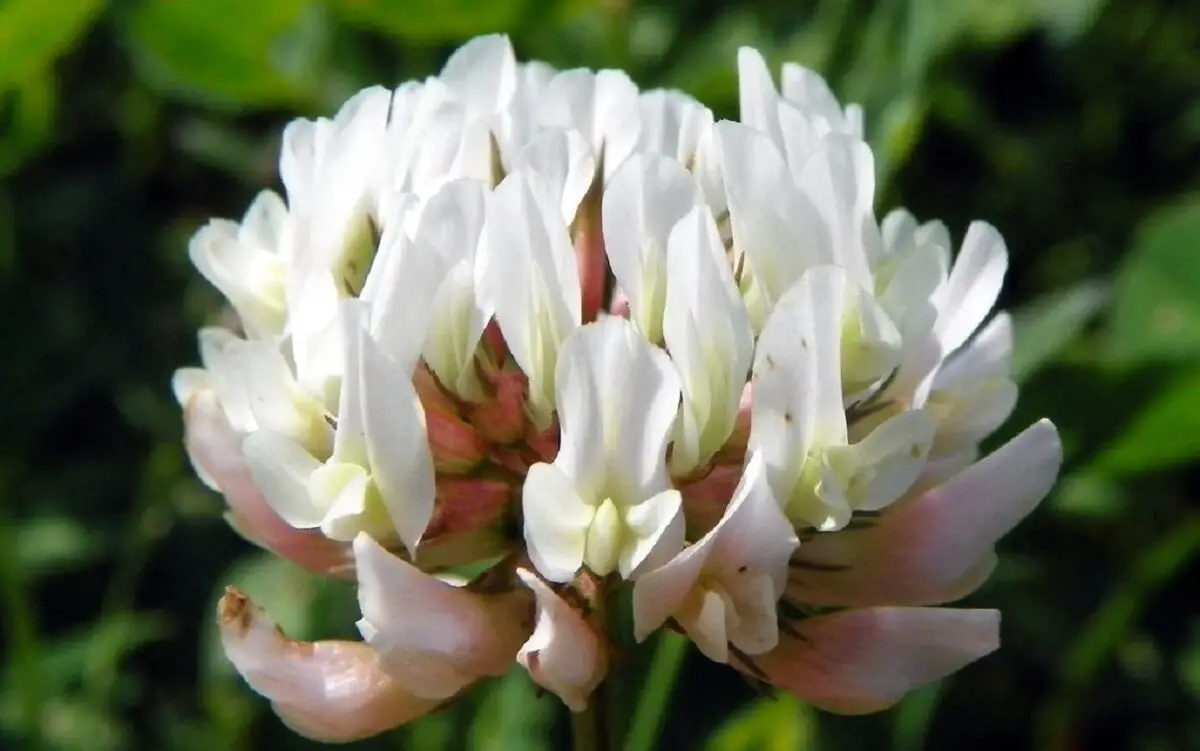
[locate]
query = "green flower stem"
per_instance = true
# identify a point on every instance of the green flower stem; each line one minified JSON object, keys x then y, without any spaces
{"x":589,"y":728}
{"x":652,"y":705}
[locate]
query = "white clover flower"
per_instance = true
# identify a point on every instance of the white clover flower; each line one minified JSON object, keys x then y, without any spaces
{"x":766,"y":423}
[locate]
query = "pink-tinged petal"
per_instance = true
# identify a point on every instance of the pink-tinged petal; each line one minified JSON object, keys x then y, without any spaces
{"x":754,"y":538}
{"x":743,"y":559}
{"x":704,"y":500}
{"x":215,"y":448}
{"x":863,"y":661}
{"x":619,"y":306}
{"x":934,"y":547}
{"x":564,"y":654}
{"x":465,"y":504}
{"x":434,"y":638}
{"x":331,"y":691}
{"x":659,"y":594}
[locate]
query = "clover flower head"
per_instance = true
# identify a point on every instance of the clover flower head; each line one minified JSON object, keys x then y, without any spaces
{"x":597,"y":341}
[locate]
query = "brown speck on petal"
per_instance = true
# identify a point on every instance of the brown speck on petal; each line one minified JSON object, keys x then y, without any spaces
{"x":332,"y":691}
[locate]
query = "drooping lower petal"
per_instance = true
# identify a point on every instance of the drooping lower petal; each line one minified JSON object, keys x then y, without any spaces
{"x":215,"y":449}
{"x":331,"y":691}
{"x":434,"y":638}
{"x":936,"y":546}
{"x":564,"y":654}
{"x":866,"y":660}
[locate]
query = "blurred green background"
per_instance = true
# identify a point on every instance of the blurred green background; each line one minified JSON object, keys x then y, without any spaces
{"x":1072,"y":125}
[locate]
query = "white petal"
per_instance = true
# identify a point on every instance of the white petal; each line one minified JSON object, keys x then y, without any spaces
{"x":635,"y":419}
{"x":839,"y":179}
{"x":757,"y":95}
{"x":349,"y":440}
{"x":563,"y":654}
{"x":707,"y":330}
{"x":974,"y":285}
{"x":673,"y":124}
{"x":281,"y":468}
{"x":659,"y":593}
{"x":556,"y":522}
{"x":603,"y":106}
{"x":331,"y":691}
{"x":564,"y":160}
{"x":642,"y":202}
{"x":518,"y":124}
{"x":906,"y":283}
{"x":394,"y":424}
{"x":753,"y":536}
{"x":251,"y":277}
{"x":435,"y":639}
{"x":225,"y":373}
{"x":895,"y":452}
{"x":750,"y":545}
{"x":988,"y":354}
{"x":273,"y":397}
{"x":801,"y":137}
{"x":187,"y":382}
{"x":316,"y":336}
{"x":265,"y":223}
{"x":345,"y":486}
{"x":871,"y":344}
{"x":658,"y":529}
{"x":482,"y":73}
{"x":409,"y":273}
{"x":774,"y":225}
{"x":526,"y":272}
{"x":797,"y":382}
{"x":303,"y":143}
{"x":809,"y":91}
{"x":898,"y":230}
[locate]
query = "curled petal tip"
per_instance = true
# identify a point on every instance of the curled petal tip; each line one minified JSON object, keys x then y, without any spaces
{"x":332,"y":691}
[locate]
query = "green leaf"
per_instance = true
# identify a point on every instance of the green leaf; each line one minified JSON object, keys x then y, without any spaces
{"x":433,"y":20}
{"x":1044,"y":327}
{"x":1110,"y":626}
{"x":1156,"y":314}
{"x":30,"y":121}
{"x":227,"y":52}
{"x":1166,"y":433}
{"x":1088,"y":494}
{"x":53,"y":544}
{"x":779,"y":723}
{"x":33,"y":33}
